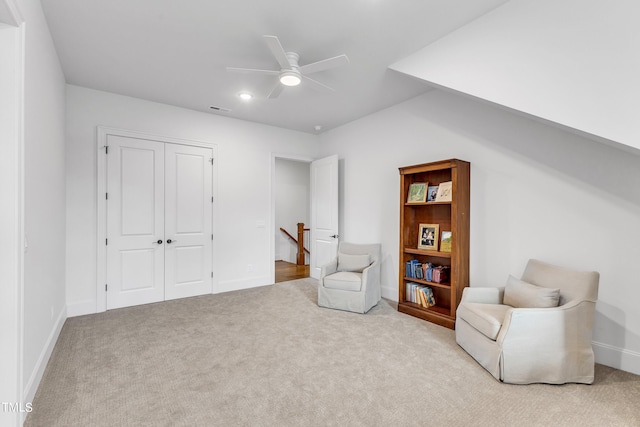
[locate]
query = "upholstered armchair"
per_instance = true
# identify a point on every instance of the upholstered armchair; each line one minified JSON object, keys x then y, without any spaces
{"x":351,"y":281}
{"x":534,"y":330}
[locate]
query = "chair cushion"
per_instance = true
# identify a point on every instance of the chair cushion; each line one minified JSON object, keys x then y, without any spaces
{"x":348,"y":262}
{"x":344,"y":280}
{"x":486,"y":318}
{"x":525,"y":295}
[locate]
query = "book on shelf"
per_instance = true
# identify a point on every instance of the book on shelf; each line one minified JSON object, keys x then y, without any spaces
{"x":419,"y":294}
{"x":426,"y":271}
{"x":427,"y":297}
{"x":444,"y":192}
{"x":432,"y":191}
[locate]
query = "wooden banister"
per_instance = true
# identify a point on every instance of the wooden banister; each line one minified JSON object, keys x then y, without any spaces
{"x":299,"y":241}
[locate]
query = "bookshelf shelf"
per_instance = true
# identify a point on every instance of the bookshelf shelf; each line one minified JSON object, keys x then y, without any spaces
{"x":436,"y":254}
{"x":450,"y":216}
{"x":425,"y":282}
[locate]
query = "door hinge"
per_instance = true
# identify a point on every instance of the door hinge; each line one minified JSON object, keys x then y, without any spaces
{"x":212,"y":274}
{"x":106,"y":149}
{"x":212,"y":237}
{"x":211,"y":199}
{"x":106,"y":196}
{"x":106,"y":242}
{"x":211,"y":160}
{"x":105,"y":287}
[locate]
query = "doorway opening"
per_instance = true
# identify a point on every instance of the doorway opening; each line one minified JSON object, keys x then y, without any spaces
{"x":292,"y":216}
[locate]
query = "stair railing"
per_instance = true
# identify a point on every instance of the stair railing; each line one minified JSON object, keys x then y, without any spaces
{"x":300,"y":258}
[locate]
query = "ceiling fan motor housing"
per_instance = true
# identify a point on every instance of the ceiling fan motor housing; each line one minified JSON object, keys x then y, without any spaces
{"x":291,"y":76}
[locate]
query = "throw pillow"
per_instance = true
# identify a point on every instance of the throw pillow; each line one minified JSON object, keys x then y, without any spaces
{"x":355,"y":263}
{"x":521,"y":294}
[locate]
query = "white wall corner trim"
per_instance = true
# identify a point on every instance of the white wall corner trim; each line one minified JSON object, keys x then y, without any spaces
{"x":102,"y":135}
{"x":32,"y":384}
{"x":618,"y":358}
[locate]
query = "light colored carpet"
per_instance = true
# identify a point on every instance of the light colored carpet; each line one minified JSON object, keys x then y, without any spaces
{"x":270,"y":356}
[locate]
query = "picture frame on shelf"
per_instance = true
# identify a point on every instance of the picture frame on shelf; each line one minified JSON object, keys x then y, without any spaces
{"x":432,"y":191}
{"x":445,"y":190}
{"x":445,"y":241}
{"x":417,"y":193}
{"x":428,"y":236}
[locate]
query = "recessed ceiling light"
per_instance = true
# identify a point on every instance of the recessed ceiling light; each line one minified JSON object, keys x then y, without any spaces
{"x":245,"y":96}
{"x":290,"y":78}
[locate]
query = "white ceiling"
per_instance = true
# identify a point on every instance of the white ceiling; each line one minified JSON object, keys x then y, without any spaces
{"x":175,"y":52}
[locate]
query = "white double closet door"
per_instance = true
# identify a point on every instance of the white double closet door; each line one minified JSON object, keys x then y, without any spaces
{"x":159,"y":221}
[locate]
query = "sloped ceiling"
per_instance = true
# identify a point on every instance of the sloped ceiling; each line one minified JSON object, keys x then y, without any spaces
{"x":175,"y":52}
{"x":575,"y":63}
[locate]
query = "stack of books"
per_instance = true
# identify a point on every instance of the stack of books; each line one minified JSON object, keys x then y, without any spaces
{"x":419,"y":294}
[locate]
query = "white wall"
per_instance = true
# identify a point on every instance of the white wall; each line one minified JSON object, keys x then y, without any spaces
{"x":11,"y":218}
{"x":536,"y":192}
{"x":44,"y":308}
{"x":36,"y":196}
{"x":573,"y":62}
{"x":292,"y":206}
{"x":242,"y":240}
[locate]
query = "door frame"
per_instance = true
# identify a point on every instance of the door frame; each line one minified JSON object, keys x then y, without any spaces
{"x":102,"y":134}
{"x":12,"y":212}
{"x":272,"y":190}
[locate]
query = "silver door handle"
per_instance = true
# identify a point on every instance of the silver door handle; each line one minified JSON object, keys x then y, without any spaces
{"x":335,"y":236}
{"x":159,"y":242}
{"x":169,"y":241}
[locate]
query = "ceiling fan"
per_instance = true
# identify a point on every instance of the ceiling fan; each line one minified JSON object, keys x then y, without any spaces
{"x":290,"y":73}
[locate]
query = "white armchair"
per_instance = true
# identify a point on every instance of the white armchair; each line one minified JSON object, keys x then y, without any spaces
{"x":351,"y":281}
{"x":543,"y":336}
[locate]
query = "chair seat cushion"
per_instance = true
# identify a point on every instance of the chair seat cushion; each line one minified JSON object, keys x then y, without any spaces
{"x":486,"y":318}
{"x":344,"y":280}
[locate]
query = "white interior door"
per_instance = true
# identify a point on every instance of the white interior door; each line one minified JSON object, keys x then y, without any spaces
{"x":188,"y":200}
{"x":135,"y":222}
{"x":324,"y":212}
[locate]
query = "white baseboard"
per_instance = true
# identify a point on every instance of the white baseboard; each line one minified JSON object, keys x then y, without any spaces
{"x":34,"y":380}
{"x":236,"y":285}
{"x":81,"y":308}
{"x":615,"y":357}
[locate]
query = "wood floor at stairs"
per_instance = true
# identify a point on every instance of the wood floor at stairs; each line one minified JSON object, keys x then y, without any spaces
{"x":286,"y":271}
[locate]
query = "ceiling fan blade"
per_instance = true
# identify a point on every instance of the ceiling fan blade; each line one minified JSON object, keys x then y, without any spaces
{"x":278,"y":51}
{"x":317,"y":85}
{"x":253,"y":71}
{"x":325,"y":64}
{"x":275,"y":92}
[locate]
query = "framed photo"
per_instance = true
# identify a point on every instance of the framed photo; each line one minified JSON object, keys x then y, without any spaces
{"x":428,"y":237}
{"x":445,"y":241}
{"x":444,"y":192}
{"x":432,"y":191}
{"x":417,"y":192}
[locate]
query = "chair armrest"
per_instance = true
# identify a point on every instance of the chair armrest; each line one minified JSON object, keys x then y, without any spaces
{"x":371,"y":274}
{"x":483,"y":295}
{"x":569,"y":325}
{"x":329,"y":268}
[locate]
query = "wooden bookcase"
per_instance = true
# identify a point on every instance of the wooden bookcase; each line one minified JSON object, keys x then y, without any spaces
{"x":450,"y":216}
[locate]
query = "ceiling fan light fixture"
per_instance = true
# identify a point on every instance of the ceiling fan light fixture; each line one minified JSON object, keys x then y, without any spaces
{"x":290,"y":78}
